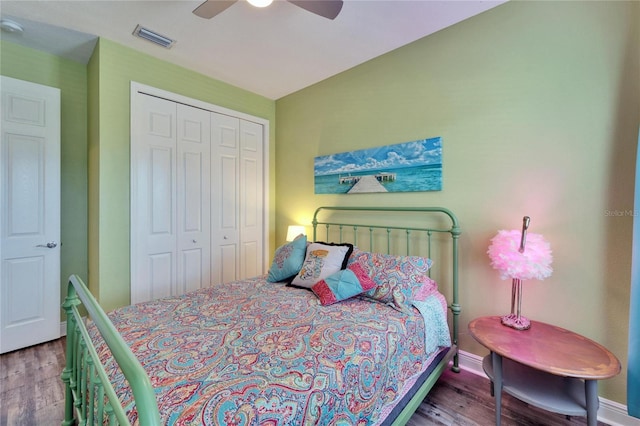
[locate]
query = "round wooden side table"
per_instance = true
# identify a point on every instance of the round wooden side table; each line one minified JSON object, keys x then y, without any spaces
{"x":545,"y":366}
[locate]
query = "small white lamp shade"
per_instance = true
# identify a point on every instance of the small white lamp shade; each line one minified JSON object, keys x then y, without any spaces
{"x":293,"y":231}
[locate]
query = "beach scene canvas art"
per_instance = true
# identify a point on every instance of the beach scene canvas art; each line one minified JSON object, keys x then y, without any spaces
{"x":403,"y":167}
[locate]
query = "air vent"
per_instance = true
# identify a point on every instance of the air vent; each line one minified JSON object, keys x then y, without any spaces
{"x":153,"y":37}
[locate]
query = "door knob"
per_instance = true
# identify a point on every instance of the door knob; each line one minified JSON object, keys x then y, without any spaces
{"x":52,"y":244}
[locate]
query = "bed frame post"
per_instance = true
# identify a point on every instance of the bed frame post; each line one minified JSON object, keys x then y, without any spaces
{"x":455,"y":306}
{"x":68,"y":373}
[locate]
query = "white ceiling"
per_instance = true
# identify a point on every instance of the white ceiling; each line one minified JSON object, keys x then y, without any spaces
{"x":273,"y":51}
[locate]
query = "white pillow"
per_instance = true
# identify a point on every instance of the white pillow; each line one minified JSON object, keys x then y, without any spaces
{"x":322,"y":260}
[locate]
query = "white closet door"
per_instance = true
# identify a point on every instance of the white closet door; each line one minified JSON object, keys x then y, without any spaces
{"x":194,"y":206}
{"x":170,"y":208}
{"x":225,"y":215}
{"x":251,"y":199}
{"x":153,"y":201}
{"x":237,"y":199}
{"x":198,"y":195}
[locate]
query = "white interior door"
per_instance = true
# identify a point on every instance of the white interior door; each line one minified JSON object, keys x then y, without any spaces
{"x":30,"y":223}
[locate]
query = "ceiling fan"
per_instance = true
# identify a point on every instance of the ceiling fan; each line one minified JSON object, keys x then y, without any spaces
{"x":326,"y":8}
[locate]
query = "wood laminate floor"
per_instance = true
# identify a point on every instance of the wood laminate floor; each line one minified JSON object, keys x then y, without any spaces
{"x":32,"y":394}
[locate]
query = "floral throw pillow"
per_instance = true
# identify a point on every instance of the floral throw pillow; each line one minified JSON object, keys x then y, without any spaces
{"x":288,"y":260}
{"x":398,"y":278}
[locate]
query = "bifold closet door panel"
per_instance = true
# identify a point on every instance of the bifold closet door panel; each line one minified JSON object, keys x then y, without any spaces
{"x":225,"y":189}
{"x":153,"y":200}
{"x":193,"y":198}
{"x":237,"y":200}
{"x":251,"y":199}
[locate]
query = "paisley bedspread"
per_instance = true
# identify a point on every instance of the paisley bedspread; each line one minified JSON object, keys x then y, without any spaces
{"x":257,"y":353}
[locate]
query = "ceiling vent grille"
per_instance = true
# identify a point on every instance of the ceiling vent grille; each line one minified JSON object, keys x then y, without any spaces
{"x":153,"y":37}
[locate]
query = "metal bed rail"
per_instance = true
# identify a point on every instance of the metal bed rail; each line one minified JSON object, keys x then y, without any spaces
{"x":89,"y":396}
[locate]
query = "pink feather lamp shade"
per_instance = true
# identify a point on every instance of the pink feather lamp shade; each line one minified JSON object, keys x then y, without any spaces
{"x":520,"y":257}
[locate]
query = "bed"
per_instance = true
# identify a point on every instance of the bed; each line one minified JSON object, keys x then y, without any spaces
{"x":362,"y":343}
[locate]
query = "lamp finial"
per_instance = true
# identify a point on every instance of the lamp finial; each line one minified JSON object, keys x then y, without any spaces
{"x":523,"y":238}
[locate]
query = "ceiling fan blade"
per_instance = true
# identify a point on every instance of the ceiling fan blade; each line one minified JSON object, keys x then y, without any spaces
{"x":211,"y":8}
{"x":325,"y":8}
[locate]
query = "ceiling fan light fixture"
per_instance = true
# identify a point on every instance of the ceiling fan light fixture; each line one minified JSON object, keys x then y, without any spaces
{"x":260,"y":3}
{"x":326,"y":8}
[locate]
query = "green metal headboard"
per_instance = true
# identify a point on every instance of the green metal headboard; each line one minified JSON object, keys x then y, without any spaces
{"x":426,"y":219}
{"x":89,"y":393}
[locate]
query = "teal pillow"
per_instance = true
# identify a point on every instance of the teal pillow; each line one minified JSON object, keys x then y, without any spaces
{"x":288,"y":260}
{"x":343,"y":285}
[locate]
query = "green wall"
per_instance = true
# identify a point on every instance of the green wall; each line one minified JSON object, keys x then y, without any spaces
{"x":71,"y":78}
{"x":111,"y":70}
{"x":537,"y":104}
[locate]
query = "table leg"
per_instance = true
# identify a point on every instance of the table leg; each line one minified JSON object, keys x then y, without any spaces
{"x":591,"y":394}
{"x":496,"y":361}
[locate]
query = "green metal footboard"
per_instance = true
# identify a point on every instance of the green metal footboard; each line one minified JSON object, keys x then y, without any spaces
{"x":89,"y":397}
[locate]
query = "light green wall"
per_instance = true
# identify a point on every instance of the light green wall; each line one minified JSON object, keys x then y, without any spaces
{"x":537,"y":104}
{"x":111,"y":70}
{"x":71,"y":78}
{"x":538,"y":107}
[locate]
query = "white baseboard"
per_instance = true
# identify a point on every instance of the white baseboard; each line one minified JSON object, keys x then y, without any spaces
{"x":610,"y":412}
